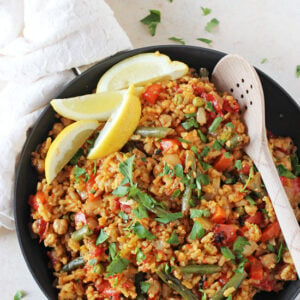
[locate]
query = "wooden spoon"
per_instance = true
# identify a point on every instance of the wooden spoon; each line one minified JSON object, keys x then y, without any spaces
{"x":235,"y":75}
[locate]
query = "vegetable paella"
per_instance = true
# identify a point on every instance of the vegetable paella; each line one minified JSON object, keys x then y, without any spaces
{"x":180,"y":212}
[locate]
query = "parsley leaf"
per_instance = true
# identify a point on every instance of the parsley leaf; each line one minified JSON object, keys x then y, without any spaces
{"x":169,"y":217}
{"x":142,"y":232}
{"x":209,"y":106}
{"x":176,"y":193}
{"x":190,"y":123}
{"x":102,"y":237}
{"x":282,"y":171}
{"x":76,"y":156}
{"x":145,"y":285}
{"x":204,"y":40}
{"x":197,"y":213}
{"x":238,"y":164}
{"x":279,"y":255}
{"x":251,"y":173}
{"x":178,"y":170}
{"x":112,"y":248}
{"x":140,"y":256}
{"x":211,"y":24}
{"x":205,"y":151}
{"x":140,"y":212}
{"x":264,"y":60}
{"x":173,"y":239}
{"x":271,"y":247}
{"x":205,"y":10}
{"x":217,"y":145}
{"x":197,"y":231}
{"x":118,"y":265}
{"x":298,"y":71}
{"x":250,"y":200}
{"x":121,"y":191}
{"x":204,"y":179}
{"x":178,"y":40}
{"x":239,"y":244}
{"x":226,"y":252}
{"x":123,"y":215}
{"x":78,"y":172}
{"x":18,"y":295}
{"x":152,"y":20}
{"x":126,"y":168}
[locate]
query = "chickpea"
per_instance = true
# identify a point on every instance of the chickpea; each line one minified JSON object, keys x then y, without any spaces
{"x":60,"y":226}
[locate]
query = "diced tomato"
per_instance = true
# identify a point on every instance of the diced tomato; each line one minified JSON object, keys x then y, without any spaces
{"x":219,"y":216}
{"x":43,"y":228}
{"x":152,"y":93}
{"x":222,"y":162}
{"x":223,"y":279}
{"x":198,"y":91}
{"x":37,"y":199}
{"x":257,"y":219}
{"x":217,"y":103}
{"x":256,"y":271}
{"x":80,"y":219}
{"x":90,"y":187}
{"x":224,"y":234}
{"x":126,"y":208}
{"x":102,"y":286}
{"x":272,"y":231}
{"x":170,"y":145}
{"x":117,"y":203}
{"x":99,"y":251}
{"x":232,"y":107}
{"x":245,"y":169}
{"x":292,"y":186}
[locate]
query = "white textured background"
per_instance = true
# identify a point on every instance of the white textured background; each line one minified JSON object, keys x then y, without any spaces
{"x":255,"y":29}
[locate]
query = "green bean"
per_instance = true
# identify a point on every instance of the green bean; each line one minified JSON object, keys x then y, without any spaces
{"x":187,"y":195}
{"x":73,"y":264}
{"x":233,"y":142}
{"x":202,"y":136}
{"x":214,"y":125}
{"x":159,"y":132}
{"x":176,"y":285}
{"x":79,"y":234}
{"x":200,"y":269}
{"x":234,"y":281}
{"x":190,"y":161}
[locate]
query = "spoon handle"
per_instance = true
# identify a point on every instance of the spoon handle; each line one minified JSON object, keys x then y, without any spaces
{"x":284,"y":212}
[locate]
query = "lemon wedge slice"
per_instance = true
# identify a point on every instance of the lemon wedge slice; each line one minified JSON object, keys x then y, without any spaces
{"x":119,"y":127}
{"x":89,"y":107}
{"x":140,"y":70}
{"x":65,"y":145}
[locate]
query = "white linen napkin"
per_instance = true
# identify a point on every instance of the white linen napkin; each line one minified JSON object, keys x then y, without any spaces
{"x":40,"y":42}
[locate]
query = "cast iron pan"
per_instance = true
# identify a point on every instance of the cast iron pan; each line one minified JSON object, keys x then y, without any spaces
{"x":282,"y":117}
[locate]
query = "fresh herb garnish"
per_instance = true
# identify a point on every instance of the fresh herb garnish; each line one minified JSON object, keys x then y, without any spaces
{"x":123,"y":215}
{"x":251,"y":173}
{"x":197,"y":231}
{"x":226,"y":252}
{"x":18,"y":295}
{"x":238,"y":164}
{"x":271,"y":247}
{"x":152,"y":20}
{"x":168,"y":269}
{"x":176,"y":193}
{"x":78,"y":172}
{"x":229,"y":124}
{"x":102,"y":237}
{"x":140,"y":256}
{"x":298,"y":71}
{"x":178,"y":170}
{"x":140,"y":212}
{"x":283,"y":171}
{"x":190,"y":123}
{"x":121,"y":191}
{"x":250,"y":200}
{"x":202,"y":136}
{"x":205,"y":151}
{"x":198,"y":213}
{"x":209,"y":106}
{"x":184,"y":141}
{"x":204,"y":40}
{"x":279,"y":255}
{"x":76,"y":156}
{"x":126,"y":168}
{"x":227,"y":155}
{"x":239,"y":244}
{"x":217,"y":145}
{"x":112,"y":249}
{"x":118,"y":265}
{"x":142,"y":232}
{"x":211,"y":24}
{"x":169,"y":217}
{"x":144,"y":159}
{"x":205,"y":10}
{"x":215,"y":124}
{"x":173,"y":239}
{"x":178,"y":40}
{"x":204,"y":179}
{"x":264,"y":60}
{"x":145,"y":285}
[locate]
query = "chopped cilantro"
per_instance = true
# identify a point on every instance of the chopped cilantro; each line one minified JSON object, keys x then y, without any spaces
{"x":112,"y":248}
{"x":217,"y":145}
{"x":215,"y":124}
{"x":202,"y":136}
{"x":124,"y":216}
{"x":121,"y":191}
{"x":271,"y":247}
{"x":168,"y":269}
{"x":205,"y":151}
{"x":173,"y":239}
{"x":239,"y":244}
{"x":102,"y":237}
{"x":197,"y":213}
{"x":140,"y":212}
{"x":169,"y":217}
{"x":279,"y":255}
{"x":209,"y":106}
{"x":204,"y":179}
{"x":283,"y":171}
{"x":126,"y":168}
{"x":197,"y":231}
{"x":178,"y":170}
{"x":205,"y":10}
{"x":142,"y":232}
{"x":211,"y":24}
{"x":240,"y":267}
{"x":76,"y":156}
{"x":78,"y":172}
{"x":176,"y":193}
{"x":250,"y":200}
{"x":204,"y":295}
{"x":204,"y":40}
{"x":140,"y":256}
{"x":152,"y":20}
{"x":146,"y":285}
{"x":144,"y":159}
{"x":183,"y":141}
{"x":18,"y":295}
{"x":190,"y":123}
{"x":238,"y":164}
{"x":264,"y":60}
{"x":226,"y":252}
{"x":251,"y":173}
{"x":118,"y":265}
{"x":298,"y":71}
{"x":178,"y":40}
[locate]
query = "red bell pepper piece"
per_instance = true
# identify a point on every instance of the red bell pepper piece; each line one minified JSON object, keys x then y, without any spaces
{"x":256,"y":271}
{"x":152,"y":93}
{"x":219,"y":216}
{"x":224,"y":234}
{"x":43,"y":228}
{"x":222,"y":162}
{"x":232,"y":107}
{"x":257,"y":219}
{"x":272,"y":230}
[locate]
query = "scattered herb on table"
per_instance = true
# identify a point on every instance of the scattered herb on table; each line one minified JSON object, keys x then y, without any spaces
{"x":298,"y":71}
{"x":152,"y":20}
{"x":177,"y":40}
{"x":18,"y":295}
{"x":264,"y":60}
{"x":211,"y":24}
{"x":204,"y":40}
{"x":205,"y":10}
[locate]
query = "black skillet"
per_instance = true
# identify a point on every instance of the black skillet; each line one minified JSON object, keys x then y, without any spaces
{"x":282,"y":117}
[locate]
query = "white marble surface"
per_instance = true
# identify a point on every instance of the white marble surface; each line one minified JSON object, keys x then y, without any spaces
{"x":254,"y":29}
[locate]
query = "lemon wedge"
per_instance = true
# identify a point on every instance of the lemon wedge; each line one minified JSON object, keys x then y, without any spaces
{"x":140,"y":70}
{"x":89,"y":107}
{"x":65,"y":145}
{"x":119,"y":127}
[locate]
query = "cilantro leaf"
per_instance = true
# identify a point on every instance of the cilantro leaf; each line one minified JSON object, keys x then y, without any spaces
{"x":211,"y":24}
{"x":226,"y":252}
{"x":178,"y":40}
{"x":118,"y":265}
{"x":102,"y":237}
{"x":190,"y":123}
{"x":184,"y":141}
{"x":271,"y":247}
{"x":140,"y":212}
{"x":176,"y":193}
{"x":264,"y":60}
{"x":197,"y":213}
{"x":283,"y":171}
{"x":204,"y":179}
{"x":209,"y":106}
{"x":145,"y":285}
{"x":298,"y":71}
{"x":205,"y":10}
{"x":251,"y":173}
{"x":126,"y":168}
{"x":142,"y":232}
{"x":78,"y":172}
{"x":204,"y":40}
{"x":76,"y":156}
{"x":240,"y":267}
{"x":18,"y":295}
{"x":178,"y":170}
{"x":173,"y":239}
{"x":217,"y":145}
{"x":238,"y":164}
{"x":112,"y":248}
{"x":140,"y":256}
{"x":250,"y":200}
{"x":121,"y":191}
{"x":197,"y":231}
{"x":169,"y":217}
{"x":205,"y":151}
{"x":152,"y":20}
{"x":279,"y":255}
{"x":123,"y":215}
{"x":239,"y":244}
